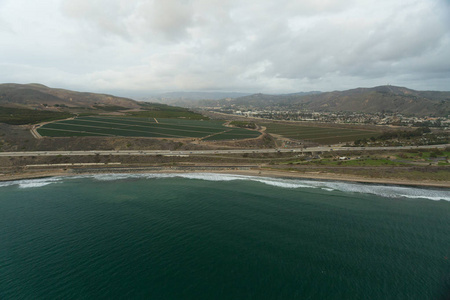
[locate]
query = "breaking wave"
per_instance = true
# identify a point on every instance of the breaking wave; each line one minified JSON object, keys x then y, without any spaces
{"x":32,"y":183}
{"x":390,"y":191}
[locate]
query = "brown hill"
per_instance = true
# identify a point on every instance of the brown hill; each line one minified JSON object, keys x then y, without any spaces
{"x":370,"y":100}
{"x":381,"y":99}
{"x":37,"y":96}
{"x":34,"y":103}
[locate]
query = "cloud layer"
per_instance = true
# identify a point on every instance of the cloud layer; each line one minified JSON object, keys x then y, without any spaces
{"x":268,"y":46}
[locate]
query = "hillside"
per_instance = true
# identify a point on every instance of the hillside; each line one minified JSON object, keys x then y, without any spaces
{"x":260,"y":100}
{"x":39,"y":96}
{"x":34,"y":103}
{"x":381,"y":99}
{"x":369,"y":100}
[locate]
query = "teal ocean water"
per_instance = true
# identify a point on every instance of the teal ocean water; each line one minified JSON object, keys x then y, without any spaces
{"x":207,"y":236}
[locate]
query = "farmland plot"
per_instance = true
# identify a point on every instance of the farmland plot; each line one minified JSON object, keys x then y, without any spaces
{"x":320,"y":135}
{"x":144,"y":127}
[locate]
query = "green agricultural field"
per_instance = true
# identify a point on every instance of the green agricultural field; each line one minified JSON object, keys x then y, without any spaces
{"x":144,"y":127}
{"x":19,"y":116}
{"x":158,"y":110}
{"x":320,"y":135}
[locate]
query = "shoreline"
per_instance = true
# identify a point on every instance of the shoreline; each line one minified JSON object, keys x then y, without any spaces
{"x":246,"y":172}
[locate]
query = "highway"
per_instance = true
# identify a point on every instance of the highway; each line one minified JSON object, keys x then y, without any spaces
{"x":212,"y":152}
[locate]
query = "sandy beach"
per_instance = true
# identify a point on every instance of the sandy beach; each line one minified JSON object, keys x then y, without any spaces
{"x":247,"y":172}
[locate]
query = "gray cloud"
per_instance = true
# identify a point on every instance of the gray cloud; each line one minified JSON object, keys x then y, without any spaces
{"x":282,"y":46}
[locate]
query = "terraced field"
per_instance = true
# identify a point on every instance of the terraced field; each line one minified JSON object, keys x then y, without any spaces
{"x":148,"y":127}
{"x":320,"y":135}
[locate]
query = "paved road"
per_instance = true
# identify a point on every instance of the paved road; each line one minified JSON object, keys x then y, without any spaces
{"x":211,"y":152}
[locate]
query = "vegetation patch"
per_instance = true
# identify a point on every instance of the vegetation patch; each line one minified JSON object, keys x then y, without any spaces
{"x":243,"y":124}
{"x":19,"y":116}
{"x":110,"y":107}
{"x":363,"y":162}
{"x":155,"y":110}
{"x":424,"y":155}
{"x":234,"y":134}
{"x":320,"y":135}
{"x":419,"y":136}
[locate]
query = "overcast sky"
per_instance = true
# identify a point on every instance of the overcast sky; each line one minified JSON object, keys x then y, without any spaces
{"x":140,"y":46}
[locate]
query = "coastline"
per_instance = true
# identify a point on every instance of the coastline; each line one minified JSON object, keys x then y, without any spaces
{"x":246,"y":172}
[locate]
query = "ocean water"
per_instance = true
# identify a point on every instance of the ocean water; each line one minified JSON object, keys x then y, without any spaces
{"x":208,"y":236}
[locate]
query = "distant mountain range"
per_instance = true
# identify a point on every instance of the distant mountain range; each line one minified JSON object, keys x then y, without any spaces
{"x":387,"y":98}
{"x":191,"y":99}
{"x":371,"y":100}
{"x":200,"y":95}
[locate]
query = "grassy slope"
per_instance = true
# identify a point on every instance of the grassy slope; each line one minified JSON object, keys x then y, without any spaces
{"x":155,"y":110}
{"x":18,"y":116}
{"x":40,"y":97}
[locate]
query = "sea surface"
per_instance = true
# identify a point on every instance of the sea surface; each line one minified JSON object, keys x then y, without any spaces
{"x":209,"y":236}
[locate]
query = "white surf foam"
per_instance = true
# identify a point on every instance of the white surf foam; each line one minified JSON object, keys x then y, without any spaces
{"x":111,"y":177}
{"x":35,"y":183}
{"x":390,"y":191}
{"x":31,"y":183}
{"x":279,"y":182}
{"x":329,"y":186}
{"x":199,"y":176}
{"x":6,"y":183}
{"x":380,"y":190}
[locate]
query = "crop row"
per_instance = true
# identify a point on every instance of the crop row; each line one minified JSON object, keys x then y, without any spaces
{"x":152,"y":122}
{"x":163,"y":128}
{"x":139,"y":127}
{"x":150,"y":132}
